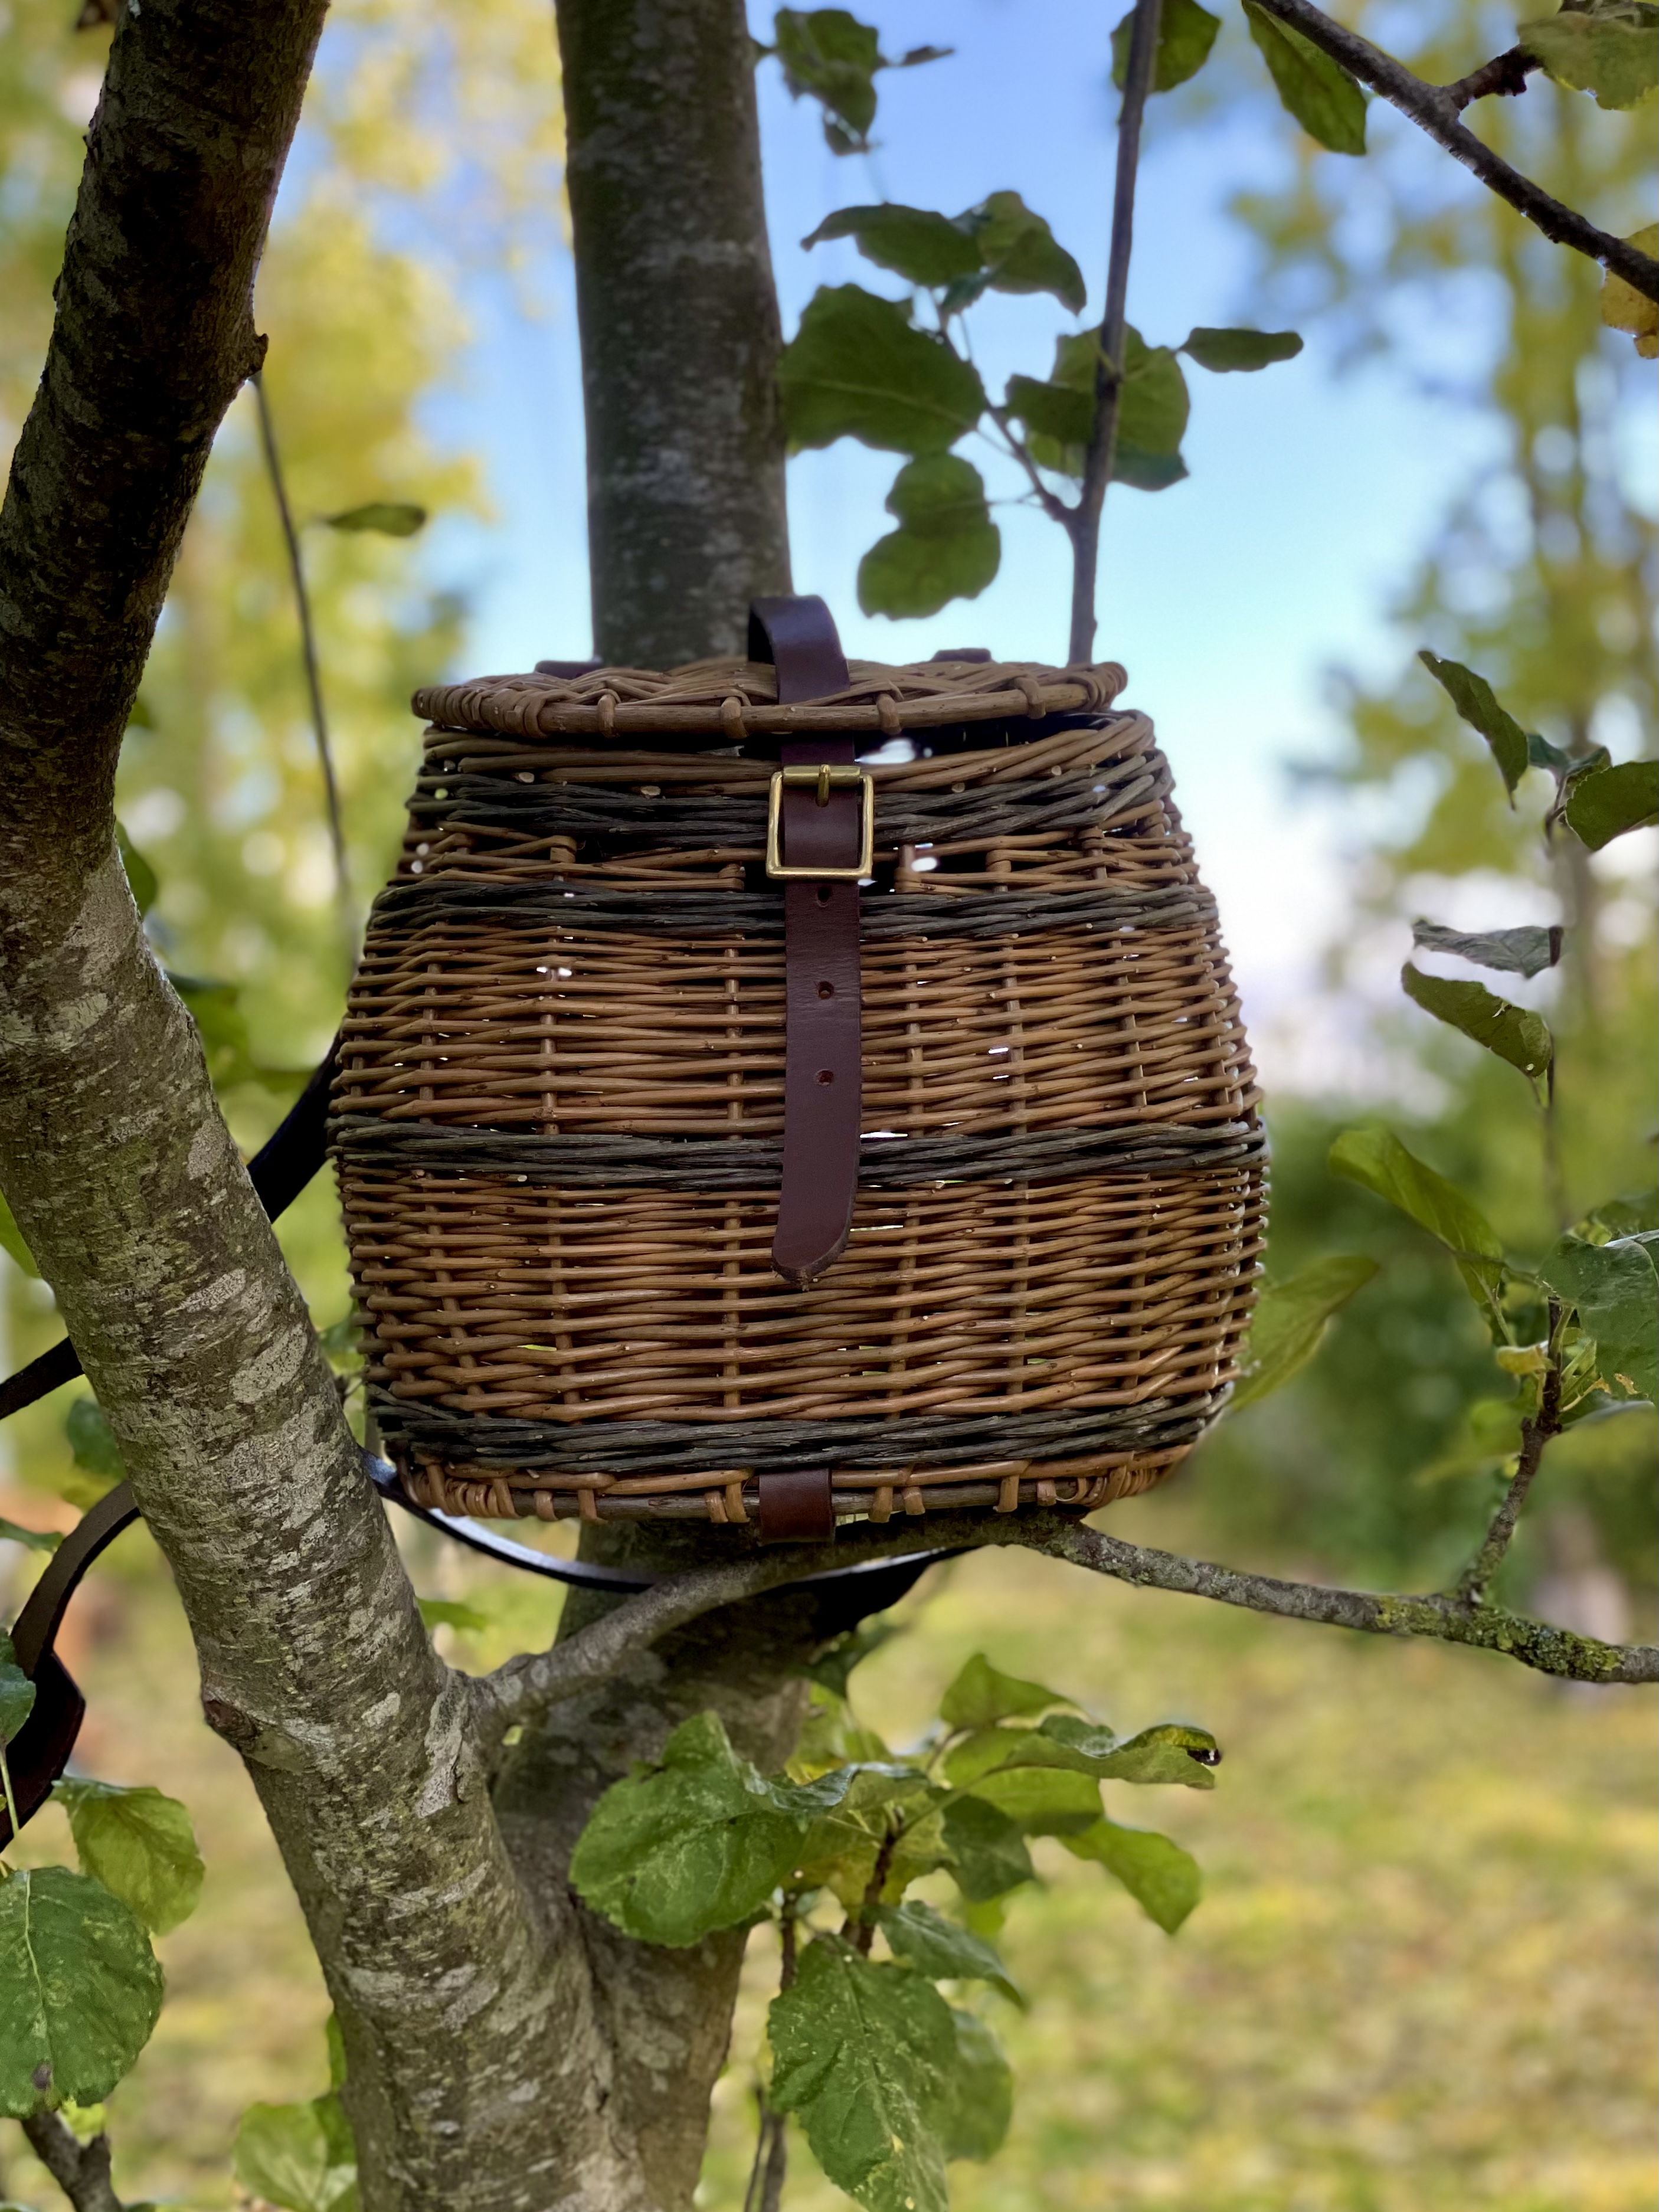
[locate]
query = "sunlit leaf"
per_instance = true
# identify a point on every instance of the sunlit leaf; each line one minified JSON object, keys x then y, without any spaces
{"x":942,"y":1948}
{"x":389,"y":517}
{"x":80,"y":1988}
{"x":1163,"y":1880}
{"x":1513,"y":1033}
{"x":973,"y":2113}
{"x":1226,"y":352}
{"x":12,"y":1244}
{"x":1609,"y":801}
{"x":1376,"y":1158}
{"x":1527,"y":950}
{"x":1625,"y":308}
{"x":1615,"y":1290}
{"x":921,"y":247}
{"x":982,"y":1694}
{"x":1291,"y":1319}
{"x":863,"y":2056}
{"x":1173,"y":1752}
{"x":1186,"y":33}
{"x":874,"y":1805}
{"x":1041,"y":1801}
{"x":294,"y":2155}
{"x":1322,"y":96}
{"x":858,"y":368}
{"x":139,"y":1844}
{"x":1474,"y":699}
{"x":946,"y":546}
{"x":142,"y":879}
{"x":451,"y":1612}
{"x":1609,"y":47}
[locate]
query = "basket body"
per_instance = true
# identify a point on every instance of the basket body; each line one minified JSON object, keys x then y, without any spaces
{"x":558,"y":1121}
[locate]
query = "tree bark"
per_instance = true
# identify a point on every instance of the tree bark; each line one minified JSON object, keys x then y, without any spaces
{"x":679,"y":326}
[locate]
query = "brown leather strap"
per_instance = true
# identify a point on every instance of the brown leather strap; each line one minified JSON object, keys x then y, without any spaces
{"x":797,"y":636}
{"x":796,"y":1508}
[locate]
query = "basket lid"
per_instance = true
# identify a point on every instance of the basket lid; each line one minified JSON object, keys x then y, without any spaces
{"x":734,"y":699}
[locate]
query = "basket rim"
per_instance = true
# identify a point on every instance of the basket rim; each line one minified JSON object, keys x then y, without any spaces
{"x":739,"y":698}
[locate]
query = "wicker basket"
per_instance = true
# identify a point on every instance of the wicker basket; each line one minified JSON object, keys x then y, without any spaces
{"x":559,"y":1117}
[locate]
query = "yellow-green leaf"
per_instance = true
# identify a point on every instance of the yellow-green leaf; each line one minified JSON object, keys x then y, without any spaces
{"x":1625,"y":308}
{"x":1608,"y":47}
{"x":1513,"y":1033}
{"x":1322,"y":96}
{"x":1291,"y":1319}
{"x":1609,"y":801}
{"x":139,"y":1844}
{"x":1376,"y":1158}
{"x":1163,"y":1881}
{"x":1186,"y":33}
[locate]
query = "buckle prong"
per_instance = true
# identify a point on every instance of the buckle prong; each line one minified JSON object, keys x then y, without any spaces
{"x":822,"y":780}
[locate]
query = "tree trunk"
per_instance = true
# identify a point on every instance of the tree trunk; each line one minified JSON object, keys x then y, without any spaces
{"x":679,"y":326}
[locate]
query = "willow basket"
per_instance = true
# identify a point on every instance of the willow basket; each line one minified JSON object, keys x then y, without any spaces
{"x":558,"y":1119}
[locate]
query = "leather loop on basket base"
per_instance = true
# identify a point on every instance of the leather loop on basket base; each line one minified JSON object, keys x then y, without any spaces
{"x":823,"y":1073}
{"x":797,"y":636}
{"x":796,"y":1508}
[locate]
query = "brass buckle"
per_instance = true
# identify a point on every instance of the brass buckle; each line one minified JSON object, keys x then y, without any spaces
{"x":825,"y":780}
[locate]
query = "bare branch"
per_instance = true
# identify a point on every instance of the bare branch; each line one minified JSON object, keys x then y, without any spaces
{"x":1434,"y":108}
{"x":1505,"y":76}
{"x":1083,"y":522}
{"x":81,"y":2170}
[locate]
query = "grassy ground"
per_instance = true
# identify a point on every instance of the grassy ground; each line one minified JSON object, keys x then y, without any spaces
{"x":1420,"y":1980}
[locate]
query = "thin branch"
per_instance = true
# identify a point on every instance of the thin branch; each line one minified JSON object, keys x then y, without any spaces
{"x":529,"y":1684}
{"x":1477,"y":1577}
{"x":1503,"y":76}
{"x":1084,"y":523}
{"x":81,"y":2170}
{"x":1055,"y":507}
{"x":1434,"y":108}
{"x":307,"y":650}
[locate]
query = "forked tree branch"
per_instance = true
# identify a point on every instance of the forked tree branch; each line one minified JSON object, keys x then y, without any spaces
{"x":1434,"y":108}
{"x":530,"y":1683}
{"x":81,"y":2170}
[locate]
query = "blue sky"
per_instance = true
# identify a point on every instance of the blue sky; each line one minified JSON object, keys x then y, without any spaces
{"x":1226,"y":597}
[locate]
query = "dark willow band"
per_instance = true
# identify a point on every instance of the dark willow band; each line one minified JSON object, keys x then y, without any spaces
{"x":425,"y":901}
{"x":712,"y":1163}
{"x":768,"y":1447}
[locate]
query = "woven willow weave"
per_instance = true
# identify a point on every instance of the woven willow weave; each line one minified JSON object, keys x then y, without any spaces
{"x":558,"y":1120}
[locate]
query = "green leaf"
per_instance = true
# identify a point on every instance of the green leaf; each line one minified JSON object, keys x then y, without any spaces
{"x":1291,"y":1319}
{"x":1622,"y":1217}
{"x":946,"y":546}
{"x":1226,"y":352}
{"x":80,"y":1990}
{"x":1474,"y":699}
{"x":1163,"y":1881}
{"x":11,"y":1243}
{"x":829,"y":56}
{"x":337,"y":2054}
{"x":142,"y":879}
{"x":832,"y":1669}
{"x":858,"y":368}
{"x":1322,"y":96}
{"x":1625,"y":308}
{"x":216,"y":1009}
{"x":1615,"y":1290}
{"x":943,"y":1949}
{"x":988,"y":1852}
{"x":1609,"y":47}
{"x":92,"y":1441}
{"x":1041,"y":1800}
{"x":16,"y":1693}
{"x":1153,"y":414}
{"x":139,"y":1844}
{"x":31,"y":1539}
{"x":982,"y":1695}
{"x":1173,"y":1752}
{"x":840,"y":1847}
{"x":863,"y":2055}
{"x":978,"y":2103}
{"x":289,"y":2155}
{"x":697,"y":1843}
{"x":1514,"y":1033}
{"x":922,"y":247}
{"x":1057,"y":412}
{"x":1524,"y":951}
{"x":1186,"y":33}
{"x":1376,"y":1158}
{"x":1609,"y":801}
{"x":450,"y":1612}
{"x":390,"y":518}
{"x":1018,"y":253}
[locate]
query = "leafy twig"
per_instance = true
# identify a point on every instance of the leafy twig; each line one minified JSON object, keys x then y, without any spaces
{"x":308,"y":649}
{"x":1435,"y":108}
{"x":1083,"y":521}
{"x":1535,"y":1433}
{"x":861,"y":1929}
{"x":81,"y":2170}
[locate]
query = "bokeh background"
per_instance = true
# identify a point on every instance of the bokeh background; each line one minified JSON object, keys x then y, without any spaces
{"x":1421,"y":1975}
